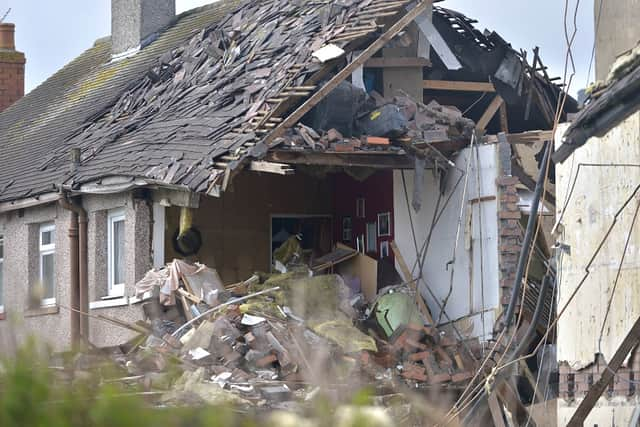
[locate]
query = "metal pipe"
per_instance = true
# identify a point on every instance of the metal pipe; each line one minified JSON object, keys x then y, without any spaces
{"x":78,"y":268}
{"x":528,"y":236}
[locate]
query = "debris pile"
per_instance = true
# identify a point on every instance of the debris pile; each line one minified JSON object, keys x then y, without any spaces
{"x":349,"y":120}
{"x":275,"y":339}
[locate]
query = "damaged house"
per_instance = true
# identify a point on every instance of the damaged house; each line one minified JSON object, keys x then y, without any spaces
{"x":389,"y":142}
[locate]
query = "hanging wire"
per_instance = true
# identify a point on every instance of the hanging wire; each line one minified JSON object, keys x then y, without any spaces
{"x":463,"y":205}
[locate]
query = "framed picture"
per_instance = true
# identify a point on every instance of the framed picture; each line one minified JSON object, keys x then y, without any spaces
{"x":360,"y":205}
{"x":384,"y":224}
{"x":360,"y":243}
{"x":347,"y":229}
{"x":372,"y":238}
{"x":384,"y":249}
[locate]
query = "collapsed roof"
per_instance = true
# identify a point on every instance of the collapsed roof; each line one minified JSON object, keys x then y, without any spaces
{"x":198,"y":102}
{"x":610,"y":102}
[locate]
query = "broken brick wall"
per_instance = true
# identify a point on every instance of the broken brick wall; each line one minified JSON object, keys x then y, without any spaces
{"x":510,"y":232}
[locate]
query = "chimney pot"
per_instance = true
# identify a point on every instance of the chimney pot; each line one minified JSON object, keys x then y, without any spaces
{"x":7,"y":40}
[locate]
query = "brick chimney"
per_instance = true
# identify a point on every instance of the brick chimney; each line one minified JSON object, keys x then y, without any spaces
{"x":135,"y":22}
{"x":11,"y":68}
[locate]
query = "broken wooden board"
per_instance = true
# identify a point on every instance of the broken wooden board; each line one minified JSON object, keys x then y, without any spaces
{"x":364,"y":267}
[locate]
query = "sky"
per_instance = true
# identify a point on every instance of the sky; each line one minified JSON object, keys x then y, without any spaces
{"x":52,"y":33}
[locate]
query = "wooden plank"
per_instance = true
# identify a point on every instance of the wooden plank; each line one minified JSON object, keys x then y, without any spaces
{"x":408,"y":278}
{"x":346,"y":72}
{"x":438,"y":43}
{"x":489,"y":113}
{"x":397,"y":62}
{"x":504,"y":118}
{"x":368,"y":159}
{"x":596,"y":390}
{"x":459,"y":86}
{"x":530,"y":137}
{"x":270,"y":167}
{"x":496,"y":411}
{"x":511,"y":400}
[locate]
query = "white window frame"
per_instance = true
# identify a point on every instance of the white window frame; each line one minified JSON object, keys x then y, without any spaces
{"x":49,"y":249}
{"x":114,"y":289}
{"x":2,"y":275}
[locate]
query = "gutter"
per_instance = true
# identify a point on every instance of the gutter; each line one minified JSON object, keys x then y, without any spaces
{"x":78,"y":270}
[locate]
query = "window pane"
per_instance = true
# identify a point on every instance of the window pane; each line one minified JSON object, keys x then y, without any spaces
{"x":118,"y":252}
{"x":48,"y":237}
{"x":372,"y":237}
{"x":1,"y":247}
{"x":48,"y":275}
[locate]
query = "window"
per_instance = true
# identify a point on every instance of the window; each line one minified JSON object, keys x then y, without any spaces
{"x":47,"y":263}
{"x":347,"y":229}
{"x":372,"y":238}
{"x":115,"y":254}
{"x":1,"y":271}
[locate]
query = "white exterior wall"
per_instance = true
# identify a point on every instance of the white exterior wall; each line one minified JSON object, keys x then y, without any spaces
{"x":599,"y":193}
{"x":466,"y":300}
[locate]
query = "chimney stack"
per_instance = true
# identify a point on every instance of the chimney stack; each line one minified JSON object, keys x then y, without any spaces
{"x":135,"y":22}
{"x":11,"y":67}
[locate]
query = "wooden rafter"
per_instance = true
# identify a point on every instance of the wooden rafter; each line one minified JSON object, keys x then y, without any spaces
{"x":346,"y":72}
{"x":459,"y":86}
{"x":491,"y":111}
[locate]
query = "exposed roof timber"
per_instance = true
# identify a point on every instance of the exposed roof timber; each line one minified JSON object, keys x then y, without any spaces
{"x":347,"y":71}
{"x":399,"y":62}
{"x":489,"y":113}
{"x":459,"y":86}
{"x":375,"y":160}
{"x":271,"y":167}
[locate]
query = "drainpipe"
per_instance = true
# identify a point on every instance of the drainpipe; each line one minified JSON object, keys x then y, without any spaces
{"x":78,"y":270}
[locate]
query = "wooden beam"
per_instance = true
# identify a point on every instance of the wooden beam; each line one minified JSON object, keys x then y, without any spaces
{"x":530,"y":137}
{"x":496,"y":411}
{"x":397,"y":62}
{"x":346,"y":72}
{"x":508,"y":395}
{"x":459,"y":86}
{"x":271,"y":167}
{"x":596,"y":390}
{"x":373,"y":160}
{"x":408,"y":278}
{"x":489,"y":113}
{"x":504,"y":118}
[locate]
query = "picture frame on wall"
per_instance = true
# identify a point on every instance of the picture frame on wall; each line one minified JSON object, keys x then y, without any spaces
{"x":384,"y":224}
{"x":347,"y":229}
{"x":384,"y":249}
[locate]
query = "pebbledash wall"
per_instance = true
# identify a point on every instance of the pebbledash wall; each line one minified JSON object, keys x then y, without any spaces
{"x":483,"y":261}
{"x":51,"y":324}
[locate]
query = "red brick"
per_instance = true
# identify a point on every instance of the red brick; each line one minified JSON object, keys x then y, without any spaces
{"x":509,"y":215}
{"x":416,"y":357}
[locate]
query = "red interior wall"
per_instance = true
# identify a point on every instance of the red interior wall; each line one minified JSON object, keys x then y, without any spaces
{"x":377,"y":190}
